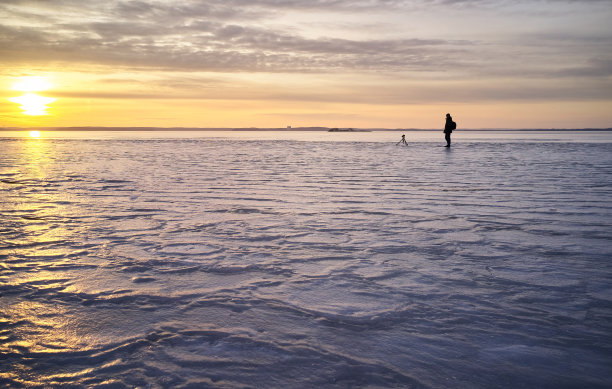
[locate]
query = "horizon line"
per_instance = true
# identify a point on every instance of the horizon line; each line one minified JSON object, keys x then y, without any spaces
{"x":288,"y":129}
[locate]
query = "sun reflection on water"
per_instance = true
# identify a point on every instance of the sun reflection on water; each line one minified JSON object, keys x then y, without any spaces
{"x":36,"y":155}
{"x":37,"y":213}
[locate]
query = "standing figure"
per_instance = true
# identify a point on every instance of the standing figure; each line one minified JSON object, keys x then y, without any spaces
{"x":402,"y":141}
{"x":448,"y":129}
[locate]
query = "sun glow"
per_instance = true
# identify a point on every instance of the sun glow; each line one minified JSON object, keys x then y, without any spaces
{"x":34,"y":134}
{"x":32,"y":84}
{"x":33,"y":104}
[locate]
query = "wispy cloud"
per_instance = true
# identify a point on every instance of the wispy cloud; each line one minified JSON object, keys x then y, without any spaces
{"x":466,"y":41}
{"x":234,"y":35}
{"x":214,"y":46}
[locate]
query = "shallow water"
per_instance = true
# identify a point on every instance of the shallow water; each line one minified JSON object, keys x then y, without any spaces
{"x":276,"y":263}
{"x":383,"y":136}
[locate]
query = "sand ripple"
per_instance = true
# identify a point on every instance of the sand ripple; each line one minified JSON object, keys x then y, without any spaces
{"x":213,"y":263}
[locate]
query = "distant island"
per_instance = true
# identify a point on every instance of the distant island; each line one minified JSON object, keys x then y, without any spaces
{"x":288,"y":129}
{"x":346,"y":130}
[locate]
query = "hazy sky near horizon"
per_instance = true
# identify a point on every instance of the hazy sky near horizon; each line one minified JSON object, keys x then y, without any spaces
{"x":336,"y":63}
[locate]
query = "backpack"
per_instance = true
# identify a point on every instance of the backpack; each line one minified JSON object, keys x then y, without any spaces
{"x":453,"y":125}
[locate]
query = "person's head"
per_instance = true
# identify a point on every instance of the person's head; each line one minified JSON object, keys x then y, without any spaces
{"x":448,"y":115}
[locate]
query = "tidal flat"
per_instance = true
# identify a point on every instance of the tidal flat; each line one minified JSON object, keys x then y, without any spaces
{"x":279,"y":261}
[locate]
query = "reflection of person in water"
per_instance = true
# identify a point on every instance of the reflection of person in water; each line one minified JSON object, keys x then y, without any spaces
{"x":448,"y":129}
{"x":402,"y":141}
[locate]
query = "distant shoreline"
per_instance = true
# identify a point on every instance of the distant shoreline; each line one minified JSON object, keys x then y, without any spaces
{"x":327,"y":129}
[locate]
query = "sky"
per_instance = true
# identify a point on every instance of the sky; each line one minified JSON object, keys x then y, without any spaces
{"x":331,"y":63}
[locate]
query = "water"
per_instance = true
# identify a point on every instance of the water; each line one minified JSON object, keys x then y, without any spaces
{"x":389,"y":136}
{"x":258,"y":261}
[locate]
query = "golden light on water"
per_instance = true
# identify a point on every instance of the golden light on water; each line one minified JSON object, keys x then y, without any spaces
{"x":32,"y":104}
{"x":34,"y":134}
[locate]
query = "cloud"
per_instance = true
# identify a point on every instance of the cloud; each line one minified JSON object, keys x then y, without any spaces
{"x":214,"y":46}
{"x":250,"y":36}
{"x":330,"y":89}
{"x":594,"y":67}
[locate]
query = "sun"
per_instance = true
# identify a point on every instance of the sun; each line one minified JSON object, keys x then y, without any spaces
{"x":33,"y":104}
{"x":34,"y":134}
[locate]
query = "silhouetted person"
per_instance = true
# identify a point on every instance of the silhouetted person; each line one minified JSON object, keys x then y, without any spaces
{"x":448,"y":129}
{"x":402,"y":141}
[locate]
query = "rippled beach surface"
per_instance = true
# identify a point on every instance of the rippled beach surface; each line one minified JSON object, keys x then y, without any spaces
{"x":216,"y":262}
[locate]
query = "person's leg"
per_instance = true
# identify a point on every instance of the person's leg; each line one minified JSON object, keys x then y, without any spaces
{"x":447,"y":137}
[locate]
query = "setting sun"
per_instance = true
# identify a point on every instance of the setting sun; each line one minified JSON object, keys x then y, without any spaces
{"x":33,"y":104}
{"x":34,"y":134}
